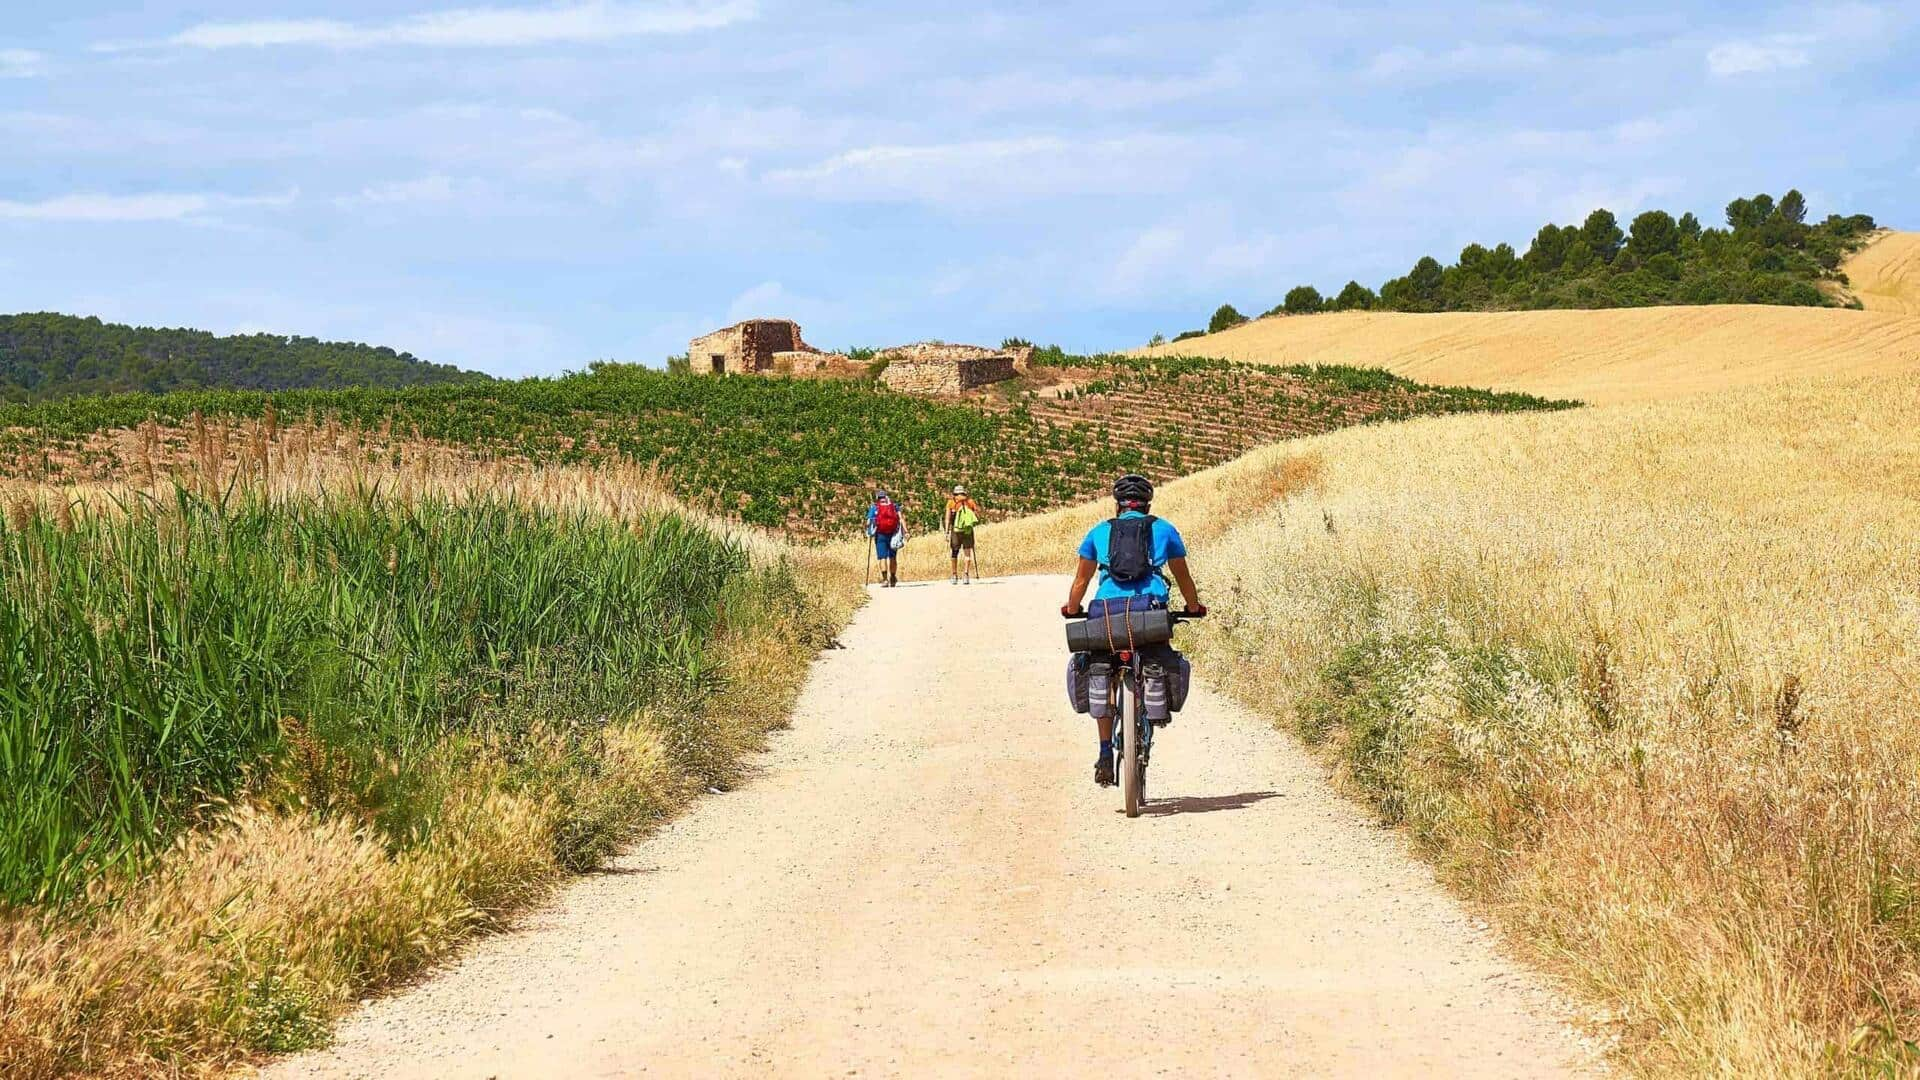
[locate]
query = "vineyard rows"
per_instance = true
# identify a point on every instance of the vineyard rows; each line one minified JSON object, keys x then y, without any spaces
{"x":799,"y":455}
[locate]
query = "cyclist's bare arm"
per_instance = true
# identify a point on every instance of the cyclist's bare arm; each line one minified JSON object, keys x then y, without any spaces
{"x":1082,"y":578}
{"x":1183,"y":577}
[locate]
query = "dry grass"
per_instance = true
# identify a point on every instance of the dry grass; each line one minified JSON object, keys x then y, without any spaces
{"x":256,"y":930}
{"x":1644,"y":679}
{"x":1623,"y":355}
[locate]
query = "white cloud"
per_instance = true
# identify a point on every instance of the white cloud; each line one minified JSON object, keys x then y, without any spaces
{"x":1409,"y":62}
{"x":995,"y":169}
{"x":1780,"y":52}
{"x":1514,"y":178}
{"x":772,"y":299}
{"x":21,"y":64}
{"x":121,"y":209}
{"x":768,"y":296}
{"x":598,"y":20}
{"x":425,"y":189}
{"x":1026,"y":91}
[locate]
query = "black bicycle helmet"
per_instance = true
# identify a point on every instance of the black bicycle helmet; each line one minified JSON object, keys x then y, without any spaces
{"x":1133,"y":490}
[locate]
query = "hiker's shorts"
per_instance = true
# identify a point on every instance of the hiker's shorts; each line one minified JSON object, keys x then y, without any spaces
{"x":961,"y":541}
{"x":883,"y":547}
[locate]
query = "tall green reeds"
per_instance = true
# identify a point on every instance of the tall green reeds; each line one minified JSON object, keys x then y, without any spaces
{"x":168,"y":656}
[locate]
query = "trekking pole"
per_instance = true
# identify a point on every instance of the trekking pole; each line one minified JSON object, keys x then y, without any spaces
{"x":869,"y":574}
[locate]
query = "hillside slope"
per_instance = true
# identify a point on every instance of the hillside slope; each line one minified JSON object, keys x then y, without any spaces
{"x":1612,"y":355}
{"x":1641,"y":677}
{"x":48,"y":355}
{"x":1886,"y":274}
{"x":800,"y":454}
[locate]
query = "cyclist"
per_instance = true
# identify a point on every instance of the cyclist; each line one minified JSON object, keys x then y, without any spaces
{"x":961,"y":517}
{"x":1166,"y":553}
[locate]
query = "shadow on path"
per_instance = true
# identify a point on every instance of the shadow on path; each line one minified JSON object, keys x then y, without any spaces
{"x":1205,"y":804}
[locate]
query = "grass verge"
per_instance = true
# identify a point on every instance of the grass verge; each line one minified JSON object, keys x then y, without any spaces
{"x":1642,"y":680}
{"x":264,"y":753}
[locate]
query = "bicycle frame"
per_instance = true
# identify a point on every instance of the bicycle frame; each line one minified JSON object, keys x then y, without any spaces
{"x":1128,"y":686}
{"x":1132,"y":732}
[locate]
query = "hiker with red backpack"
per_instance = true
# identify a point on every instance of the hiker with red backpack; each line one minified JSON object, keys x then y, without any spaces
{"x":889,"y":533}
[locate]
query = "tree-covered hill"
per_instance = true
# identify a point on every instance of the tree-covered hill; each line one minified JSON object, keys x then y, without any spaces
{"x":1766,"y":253}
{"x":46,"y":355}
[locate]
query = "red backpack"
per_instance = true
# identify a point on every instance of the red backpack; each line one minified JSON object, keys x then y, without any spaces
{"x":886,"y":519}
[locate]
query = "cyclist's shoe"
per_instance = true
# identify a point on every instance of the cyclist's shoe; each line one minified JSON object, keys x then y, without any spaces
{"x":1103,"y":771}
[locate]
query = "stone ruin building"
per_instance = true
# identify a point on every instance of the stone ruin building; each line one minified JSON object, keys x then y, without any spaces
{"x":774,"y":347}
{"x":935,"y":368}
{"x":756,"y":346}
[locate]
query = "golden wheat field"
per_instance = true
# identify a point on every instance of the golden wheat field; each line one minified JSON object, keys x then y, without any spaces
{"x":1631,"y":354}
{"x":1643,"y":678}
{"x":1885,"y":275}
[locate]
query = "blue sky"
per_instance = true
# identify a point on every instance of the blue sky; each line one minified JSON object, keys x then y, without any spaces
{"x":525,"y":189}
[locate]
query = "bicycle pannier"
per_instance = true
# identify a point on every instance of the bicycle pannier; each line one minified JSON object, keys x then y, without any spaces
{"x":1179,"y":681}
{"x":1077,"y":682}
{"x":1099,"y":689}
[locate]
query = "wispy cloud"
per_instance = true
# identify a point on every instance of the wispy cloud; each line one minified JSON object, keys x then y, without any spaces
{"x":123,"y":209}
{"x":992,"y":169}
{"x":425,"y":189}
{"x":1778,"y":52}
{"x":1026,"y":91}
{"x":470,"y":28}
{"x":21,"y":64}
{"x":1488,"y":174}
{"x":1411,"y":62}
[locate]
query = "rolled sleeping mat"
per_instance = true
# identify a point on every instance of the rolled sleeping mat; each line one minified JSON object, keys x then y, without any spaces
{"x":1128,"y":630}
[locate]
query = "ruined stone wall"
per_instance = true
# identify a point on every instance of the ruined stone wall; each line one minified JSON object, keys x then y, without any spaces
{"x":945,"y":375}
{"x":746,"y":347}
{"x":811,"y":362}
{"x":984,"y":370}
{"x":716,"y":353}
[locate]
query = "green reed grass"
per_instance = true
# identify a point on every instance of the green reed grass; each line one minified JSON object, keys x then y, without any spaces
{"x":166,"y":656}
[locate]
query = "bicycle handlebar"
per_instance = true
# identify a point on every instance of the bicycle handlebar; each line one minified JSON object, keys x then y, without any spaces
{"x":1178,"y":616}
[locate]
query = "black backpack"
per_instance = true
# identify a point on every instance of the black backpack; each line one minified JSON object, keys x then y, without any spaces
{"x":1130,"y":549}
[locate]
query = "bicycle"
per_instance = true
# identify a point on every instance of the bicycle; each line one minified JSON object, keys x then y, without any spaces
{"x":1132,"y":732}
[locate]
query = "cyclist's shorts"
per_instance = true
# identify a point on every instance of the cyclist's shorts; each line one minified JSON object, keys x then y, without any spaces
{"x":961,"y":541}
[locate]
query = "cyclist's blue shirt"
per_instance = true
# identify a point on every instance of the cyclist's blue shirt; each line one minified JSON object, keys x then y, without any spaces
{"x":1166,"y":545}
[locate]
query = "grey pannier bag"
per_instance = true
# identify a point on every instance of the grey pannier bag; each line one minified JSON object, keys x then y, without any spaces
{"x":1077,"y":682}
{"x":1165,"y":680}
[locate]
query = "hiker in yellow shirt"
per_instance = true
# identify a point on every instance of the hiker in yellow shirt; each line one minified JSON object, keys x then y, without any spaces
{"x":962,"y":515}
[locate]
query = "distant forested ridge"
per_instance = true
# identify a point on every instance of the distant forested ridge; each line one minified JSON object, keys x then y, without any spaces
{"x":1766,"y":253}
{"x":46,"y":356}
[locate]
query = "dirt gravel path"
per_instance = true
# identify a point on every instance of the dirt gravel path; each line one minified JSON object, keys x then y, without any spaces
{"x":924,"y":881}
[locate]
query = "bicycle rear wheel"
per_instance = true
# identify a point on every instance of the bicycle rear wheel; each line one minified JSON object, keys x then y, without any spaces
{"x":1133,"y":765}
